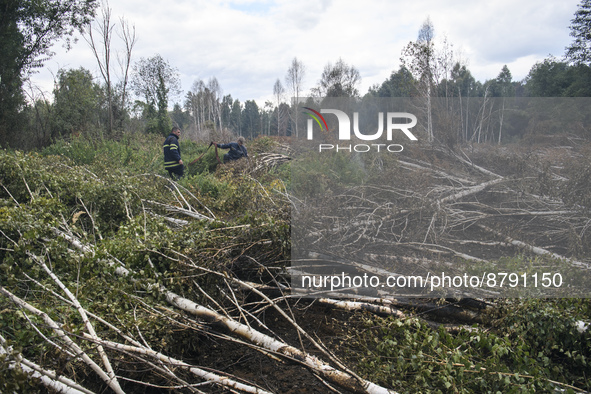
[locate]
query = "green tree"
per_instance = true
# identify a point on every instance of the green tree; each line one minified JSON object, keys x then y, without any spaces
{"x":547,"y":78}
{"x":463,"y":83}
{"x":235,"y":117}
{"x":400,"y":84}
{"x":226,"y":109}
{"x":580,"y":81}
{"x":553,"y":78}
{"x":164,"y":123}
{"x":28,"y":29}
{"x":250,"y":119}
{"x":503,"y":88}
{"x":179,"y":117}
{"x":338,"y":80}
{"x":502,"y":85}
{"x":580,"y":50}
{"x":419,"y":58}
{"x":76,"y":103}
{"x":154,"y":79}
{"x":39,"y":115}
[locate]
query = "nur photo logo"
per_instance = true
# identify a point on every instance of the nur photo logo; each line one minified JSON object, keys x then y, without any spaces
{"x":389,"y":125}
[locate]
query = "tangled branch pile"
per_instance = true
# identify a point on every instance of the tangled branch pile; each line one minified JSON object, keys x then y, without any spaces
{"x":115,"y":277}
{"x":436,"y":209}
{"x":128,"y":280}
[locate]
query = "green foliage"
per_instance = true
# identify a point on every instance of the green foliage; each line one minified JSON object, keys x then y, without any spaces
{"x":553,"y":78}
{"x":102,"y":192}
{"x":533,"y":345}
{"x":28,"y":30}
{"x":153,"y":79}
{"x":580,"y":50}
{"x":76,"y":103}
{"x":134,"y":153}
{"x":338,"y":80}
{"x":13,"y":379}
{"x":316,"y":175}
{"x":207,"y":186}
{"x":208,"y":162}
{"x":80,"y":151}
{"x":250,"y":119}
{"x":261,"y":144}
{"x":400,"y":84}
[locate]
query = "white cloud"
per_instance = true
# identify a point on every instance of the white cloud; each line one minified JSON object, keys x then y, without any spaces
{"x":304,"y":14}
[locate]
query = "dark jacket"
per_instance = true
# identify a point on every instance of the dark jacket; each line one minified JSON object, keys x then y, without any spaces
{"x":236,"y":152}
{"x":172,"y":152}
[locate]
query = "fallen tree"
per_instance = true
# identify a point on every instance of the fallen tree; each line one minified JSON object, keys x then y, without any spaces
{"x":112,"y":281}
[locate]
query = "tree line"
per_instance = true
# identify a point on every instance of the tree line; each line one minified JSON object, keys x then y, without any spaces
{"x":83,"y":104}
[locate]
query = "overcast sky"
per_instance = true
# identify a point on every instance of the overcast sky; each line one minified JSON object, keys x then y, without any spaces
{"x":248,"y":44}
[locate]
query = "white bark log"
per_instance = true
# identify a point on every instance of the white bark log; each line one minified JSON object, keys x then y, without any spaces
{"x":469,"y":191}
{"x":362,"y":306}
{"x":61,"y":334}
{"x":331,"y":374}
{"x":536,"y":249}
{"x":472,"y":165}
{"x":326,"y":371}
{"x":82,"y":312}
{"x":445,"y":175}
{"x":183,"y":211}
{"x":209,"y":376}
{"x":50,"y":379}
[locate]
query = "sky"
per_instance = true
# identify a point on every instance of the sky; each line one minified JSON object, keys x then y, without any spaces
{"x":248,"y":44}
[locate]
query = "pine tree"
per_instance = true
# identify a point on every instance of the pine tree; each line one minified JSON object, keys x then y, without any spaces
{"x":580,"y":50}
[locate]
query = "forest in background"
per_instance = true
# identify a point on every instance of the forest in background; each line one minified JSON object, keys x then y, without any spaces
{"x":135,"y":95}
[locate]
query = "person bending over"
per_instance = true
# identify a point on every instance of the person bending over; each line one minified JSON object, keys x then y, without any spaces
{"x":237,"y":150}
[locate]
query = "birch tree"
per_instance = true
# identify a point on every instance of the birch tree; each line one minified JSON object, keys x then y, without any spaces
{"x":338,"y":80}
{"x":278,"y":93}
{"x":101,"y":48}
{"x":154,"y":79}
{"x":294,"y":80}
{"x":127,"y":34}
{"x":204,"y":105}
{"x":99,"y":38}
{"x":419,"y":58}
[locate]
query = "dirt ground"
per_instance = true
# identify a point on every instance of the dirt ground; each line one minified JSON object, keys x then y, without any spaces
{"x":324,"y":323}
